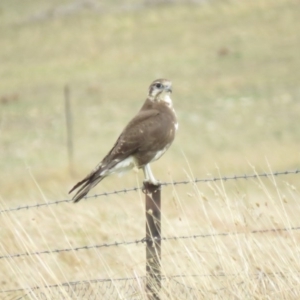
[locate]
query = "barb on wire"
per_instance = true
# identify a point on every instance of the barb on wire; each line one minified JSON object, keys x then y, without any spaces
{"x":134,"y":189}
{"x":143,"y":240}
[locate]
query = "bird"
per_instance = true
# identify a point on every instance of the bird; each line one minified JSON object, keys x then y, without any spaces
{"x":144,"y":140}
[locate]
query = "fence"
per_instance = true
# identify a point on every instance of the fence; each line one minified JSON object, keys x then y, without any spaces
{"x":154,"y":285}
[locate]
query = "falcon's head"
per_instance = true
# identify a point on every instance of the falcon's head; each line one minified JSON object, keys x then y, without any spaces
{"x":160,"y":90}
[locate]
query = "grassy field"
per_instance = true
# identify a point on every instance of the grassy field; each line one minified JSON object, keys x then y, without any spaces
{"x":235,"y":67}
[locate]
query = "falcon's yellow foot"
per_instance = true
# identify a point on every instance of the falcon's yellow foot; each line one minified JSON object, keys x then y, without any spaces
{"x":150,"y":187}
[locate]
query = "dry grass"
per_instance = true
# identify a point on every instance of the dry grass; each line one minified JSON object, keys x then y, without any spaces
{"x":235,"y":70}
{"x":254,"y":264}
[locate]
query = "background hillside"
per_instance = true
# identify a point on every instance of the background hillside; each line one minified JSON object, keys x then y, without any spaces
{"x":235,"y":68}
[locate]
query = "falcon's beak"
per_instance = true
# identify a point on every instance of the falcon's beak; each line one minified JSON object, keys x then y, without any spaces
{"x":168,"y":89}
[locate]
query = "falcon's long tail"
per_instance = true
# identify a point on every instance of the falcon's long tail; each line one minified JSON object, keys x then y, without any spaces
{"x":100,"y":172}
{"x":85,"y":186}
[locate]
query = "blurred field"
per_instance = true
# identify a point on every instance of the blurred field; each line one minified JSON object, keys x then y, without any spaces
{"x":235,"y":67}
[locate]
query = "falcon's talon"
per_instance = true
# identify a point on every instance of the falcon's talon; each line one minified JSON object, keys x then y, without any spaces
{"x":149,"y":186}
{"x":156,"y":182}
{"x":145,"y":139}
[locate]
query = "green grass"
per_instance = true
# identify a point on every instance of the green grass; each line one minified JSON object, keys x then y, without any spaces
{"x":235,"y":68}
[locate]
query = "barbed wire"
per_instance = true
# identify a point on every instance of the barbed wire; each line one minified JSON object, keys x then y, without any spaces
{"x":135,"y":189}
{"x":163,"y":277}
{"x":29,"y":206}
{"x":105,"y":245}
{"x":258,"y":275}
{"x":75,"y":282}
{"x":144,"y":240}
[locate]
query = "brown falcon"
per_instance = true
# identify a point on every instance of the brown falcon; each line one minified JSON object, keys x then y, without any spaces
{"x":145,"y":139}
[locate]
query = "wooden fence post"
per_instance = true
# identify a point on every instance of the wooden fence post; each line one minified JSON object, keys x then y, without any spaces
{"x":69,"y":125}
{"x":153,"y":240}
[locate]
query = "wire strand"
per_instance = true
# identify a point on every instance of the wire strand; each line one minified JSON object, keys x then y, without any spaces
{"x":134,"y":189}
{"x":144,"y":240}
{"x":164,"y":277}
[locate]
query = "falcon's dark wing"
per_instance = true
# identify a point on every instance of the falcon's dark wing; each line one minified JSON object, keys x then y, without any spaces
{"x":136,"y":136}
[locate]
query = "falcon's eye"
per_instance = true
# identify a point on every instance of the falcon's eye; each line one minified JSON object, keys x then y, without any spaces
{"x":159,"y":85}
